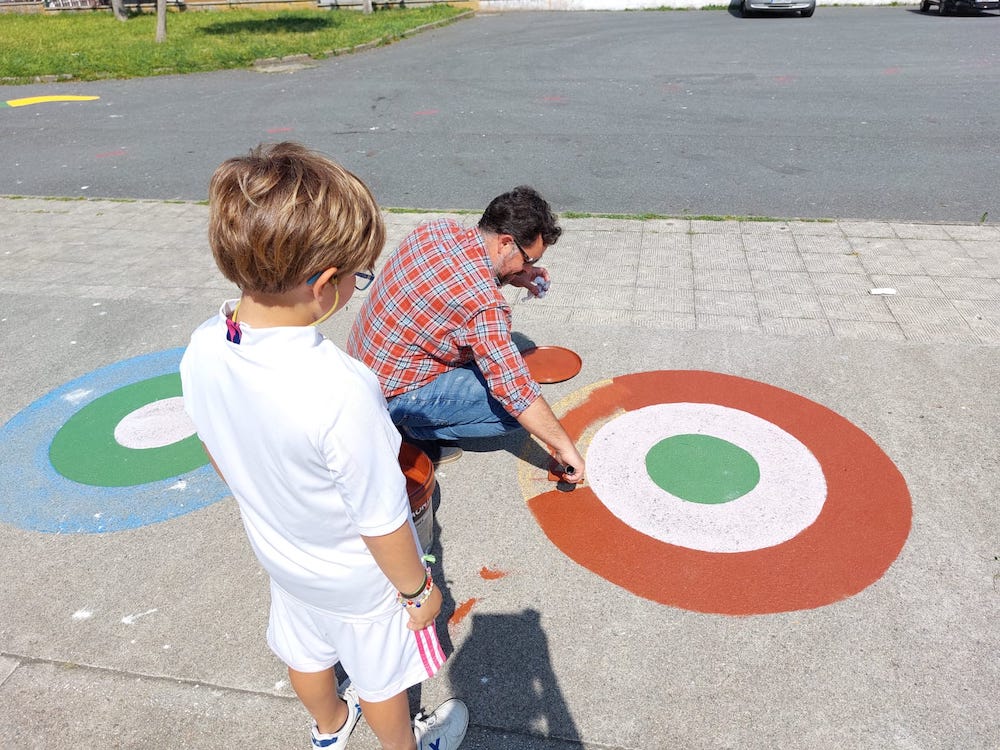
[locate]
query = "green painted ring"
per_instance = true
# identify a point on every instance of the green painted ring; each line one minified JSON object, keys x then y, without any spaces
{"x":85,"y":450}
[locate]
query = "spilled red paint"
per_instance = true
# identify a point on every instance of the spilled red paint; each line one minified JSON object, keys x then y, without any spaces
{"x":426,"y":112}
{"x":461,"y":611}
{"x":488,"y":574}
{"x":272,"y":131}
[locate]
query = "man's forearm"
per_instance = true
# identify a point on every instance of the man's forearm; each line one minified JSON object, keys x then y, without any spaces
{"x":539,"y":420}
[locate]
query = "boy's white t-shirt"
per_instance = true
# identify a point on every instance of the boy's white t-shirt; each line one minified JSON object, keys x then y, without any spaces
{"x":301,"y":434}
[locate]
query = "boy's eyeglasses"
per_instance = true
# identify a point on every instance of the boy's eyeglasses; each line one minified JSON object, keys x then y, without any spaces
{"x":362,"y":279}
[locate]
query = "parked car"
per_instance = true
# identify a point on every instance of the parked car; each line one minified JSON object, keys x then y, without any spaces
{"x":950,"y":6}
{"x":805,"y":7}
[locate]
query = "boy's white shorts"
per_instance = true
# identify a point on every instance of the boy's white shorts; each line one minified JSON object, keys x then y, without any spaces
{"x":382,"y":657}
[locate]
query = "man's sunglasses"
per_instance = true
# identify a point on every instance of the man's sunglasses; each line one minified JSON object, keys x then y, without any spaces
{"x":528,"y":260}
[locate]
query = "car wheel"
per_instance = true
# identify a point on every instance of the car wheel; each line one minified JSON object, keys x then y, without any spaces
{"x":944,"y":7}
{"x":808,"y":12}
{"x":925,"y":6}
{"x":745,"y":9}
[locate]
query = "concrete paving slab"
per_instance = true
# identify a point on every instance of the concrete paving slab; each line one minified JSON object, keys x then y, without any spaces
{"x":154,"y":634}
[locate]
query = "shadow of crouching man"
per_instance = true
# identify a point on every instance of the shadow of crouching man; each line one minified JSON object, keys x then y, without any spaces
{"x":503,"y":672}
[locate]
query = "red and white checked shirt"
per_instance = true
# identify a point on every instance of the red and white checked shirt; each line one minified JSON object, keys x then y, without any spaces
{"x":434,"y":307}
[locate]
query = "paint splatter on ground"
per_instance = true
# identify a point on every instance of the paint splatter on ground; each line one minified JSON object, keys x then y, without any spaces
{"x":461,"y":612}
{"x":51,"y":98}
{"x":489,"y":574}
{"x":130,"y":619}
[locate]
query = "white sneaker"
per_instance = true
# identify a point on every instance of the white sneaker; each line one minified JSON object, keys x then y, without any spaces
{"x":338,"y":740}
{"x":442,"y":729}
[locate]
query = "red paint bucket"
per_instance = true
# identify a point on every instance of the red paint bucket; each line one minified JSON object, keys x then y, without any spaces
{"x":420,"y":483}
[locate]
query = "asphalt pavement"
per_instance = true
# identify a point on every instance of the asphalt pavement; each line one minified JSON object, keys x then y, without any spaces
{"x":130,"y":619}
{"x":858,"y":112}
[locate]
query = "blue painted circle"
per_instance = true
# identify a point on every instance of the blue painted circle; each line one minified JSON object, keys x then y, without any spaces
{"x":35,"y":497}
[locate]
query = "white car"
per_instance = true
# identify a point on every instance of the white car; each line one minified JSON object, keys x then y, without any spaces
{"x":752,"y":7}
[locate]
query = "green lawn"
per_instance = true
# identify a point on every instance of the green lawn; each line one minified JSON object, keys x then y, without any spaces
{"x":88,"y":45}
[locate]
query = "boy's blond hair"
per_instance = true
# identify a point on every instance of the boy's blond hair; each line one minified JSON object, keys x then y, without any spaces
{"x":284,"y":212}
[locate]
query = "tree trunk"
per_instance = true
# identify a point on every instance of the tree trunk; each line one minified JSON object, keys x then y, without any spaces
{"x":118,"y":8}
{"x":161,"y":21}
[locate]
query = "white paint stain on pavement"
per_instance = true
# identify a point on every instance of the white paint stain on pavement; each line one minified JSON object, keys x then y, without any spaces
{"x":130,"y":619}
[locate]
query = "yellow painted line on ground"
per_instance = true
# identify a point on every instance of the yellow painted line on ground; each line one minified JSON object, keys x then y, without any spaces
{"x":54,"y":98}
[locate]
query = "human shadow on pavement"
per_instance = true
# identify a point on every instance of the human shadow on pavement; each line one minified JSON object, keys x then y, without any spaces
{"x":503,"y":672}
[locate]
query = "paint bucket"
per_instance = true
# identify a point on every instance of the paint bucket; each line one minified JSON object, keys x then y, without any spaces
{"x":420,"y":483}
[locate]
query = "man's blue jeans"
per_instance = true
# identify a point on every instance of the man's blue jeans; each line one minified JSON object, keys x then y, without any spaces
{"x":455,"y":405}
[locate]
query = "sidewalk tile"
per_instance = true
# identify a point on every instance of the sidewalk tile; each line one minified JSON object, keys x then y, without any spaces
{"x":920,"y":231}
{"x":723,"y":281}
{"x":856,"y":307}
{"x":791,"y":282}
{"x":817,"y":263}
{"x":709,"y":322}
{"x":829,"y":244}
{"x":958,"y":288}
{"x":782,"y":305}
{"x":978,"y":232}
{"x":734,"y":304}
{"x":880,"y":246}
{"x":769,"y":243}
{"x":796,"y":327}
{"x":767,"y":261}
{"x":867,"y":329}
{"x":908,"y":286}
{"x":841,"y":283}
{"x":867,"y":228}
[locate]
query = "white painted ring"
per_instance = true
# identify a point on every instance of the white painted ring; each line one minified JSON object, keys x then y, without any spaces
{"x":787,"y":499}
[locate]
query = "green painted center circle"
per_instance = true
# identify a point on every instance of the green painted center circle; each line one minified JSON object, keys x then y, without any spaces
{"x":702,"y":468}
{"x":85,"y":450}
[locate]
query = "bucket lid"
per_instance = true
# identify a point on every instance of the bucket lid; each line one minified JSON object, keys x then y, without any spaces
{"x":551,"y":364}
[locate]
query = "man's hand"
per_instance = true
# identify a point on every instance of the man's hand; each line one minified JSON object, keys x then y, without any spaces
{"x":539,"y":420}
{"x":534,"y":279}
{"x":570,"y":457}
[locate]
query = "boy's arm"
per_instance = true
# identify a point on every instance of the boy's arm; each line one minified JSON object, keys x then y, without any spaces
{"x":397,"y":555}
{"x":212,"y":461}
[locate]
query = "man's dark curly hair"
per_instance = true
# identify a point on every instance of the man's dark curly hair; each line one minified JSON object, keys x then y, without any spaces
{"x":523,"y":214}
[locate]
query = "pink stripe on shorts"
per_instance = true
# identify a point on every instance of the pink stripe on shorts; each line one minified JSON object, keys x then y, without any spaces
{"x":430,"y":649}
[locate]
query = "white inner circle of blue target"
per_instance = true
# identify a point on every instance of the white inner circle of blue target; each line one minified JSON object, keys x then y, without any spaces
{"x":155,"y":425}
{"x":786,"y":500}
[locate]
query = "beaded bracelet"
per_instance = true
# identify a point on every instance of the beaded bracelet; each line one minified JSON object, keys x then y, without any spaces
{"x":420,"y":588}
{"x":421,"y":596}
{"x":415,"y":600}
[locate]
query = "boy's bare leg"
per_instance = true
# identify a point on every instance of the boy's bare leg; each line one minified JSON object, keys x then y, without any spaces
{"x":390,"y":721}
{"x":318,"y":693}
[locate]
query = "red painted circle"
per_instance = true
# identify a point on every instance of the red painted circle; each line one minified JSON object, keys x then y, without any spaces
{"x":859,"y":532}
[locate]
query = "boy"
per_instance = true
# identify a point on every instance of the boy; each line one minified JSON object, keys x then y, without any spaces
{"x":300,"y":433}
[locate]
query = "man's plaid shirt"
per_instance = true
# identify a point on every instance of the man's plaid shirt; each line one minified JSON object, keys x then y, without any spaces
{"x":434,"y":307}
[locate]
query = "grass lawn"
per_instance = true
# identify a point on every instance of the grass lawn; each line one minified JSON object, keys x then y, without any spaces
{"x":89,"y":46}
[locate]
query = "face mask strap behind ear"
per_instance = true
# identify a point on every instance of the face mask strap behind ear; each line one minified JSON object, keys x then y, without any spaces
{"x":336,"y":301}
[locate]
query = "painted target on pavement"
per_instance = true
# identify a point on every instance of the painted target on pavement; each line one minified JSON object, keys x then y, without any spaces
{"x":720,"y":494}
{"x":109,"y":451}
